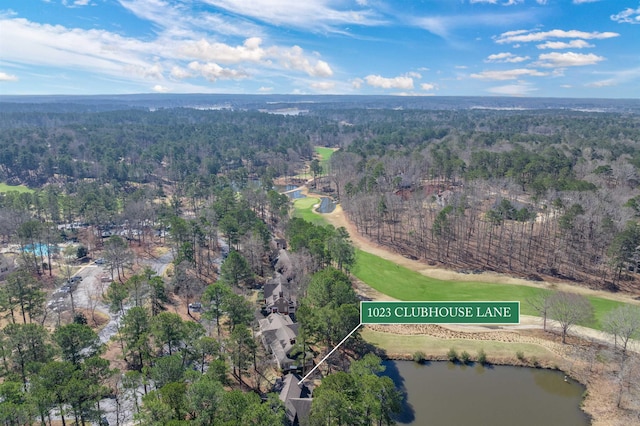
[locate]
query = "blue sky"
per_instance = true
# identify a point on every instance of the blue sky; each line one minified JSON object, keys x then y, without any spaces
{"x":542,"y":48}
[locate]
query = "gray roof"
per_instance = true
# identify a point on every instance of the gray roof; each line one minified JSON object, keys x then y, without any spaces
{"x":295,"y":398}
{"x":278,"y":331}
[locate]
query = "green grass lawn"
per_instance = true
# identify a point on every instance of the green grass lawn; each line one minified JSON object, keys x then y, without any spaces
{"x":408,"y":344}
{"x":304,"y":209}
{"x":325,"y":154}
{"x":404,"y":284}
{"x":19,"y":188}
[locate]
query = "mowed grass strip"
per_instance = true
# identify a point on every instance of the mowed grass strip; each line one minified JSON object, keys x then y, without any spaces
{"x":325,"y":155}
{"x":400,"y":344}
{"x":18,"y":188}
{"x":304,"y":209}
{"x":404,"y":284}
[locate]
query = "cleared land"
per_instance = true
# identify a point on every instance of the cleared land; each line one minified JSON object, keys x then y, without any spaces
{"x":398,"y":345}
{"x":304,"y":209}
{"x":403,"y":283}
{"x":324,"y":154}
{"x":18,"y":188}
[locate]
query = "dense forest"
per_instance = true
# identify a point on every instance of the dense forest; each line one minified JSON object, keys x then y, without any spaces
{"x":539,"y":193}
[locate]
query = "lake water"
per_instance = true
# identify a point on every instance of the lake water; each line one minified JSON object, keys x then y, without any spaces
{"x":443,"y":394}
{"x":327,"y":205}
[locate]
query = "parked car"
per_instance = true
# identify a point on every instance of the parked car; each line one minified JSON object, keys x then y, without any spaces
{"x":195,"y":307}
{"x":99,"y":261}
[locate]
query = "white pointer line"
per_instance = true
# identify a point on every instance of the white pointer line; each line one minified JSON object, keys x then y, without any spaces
{"x":329,"y":354}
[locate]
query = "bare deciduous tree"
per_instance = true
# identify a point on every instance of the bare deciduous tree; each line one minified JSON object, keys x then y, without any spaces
{"x":623,"y":323}
{"x":569,"y":309}
{"x":540,"y":303}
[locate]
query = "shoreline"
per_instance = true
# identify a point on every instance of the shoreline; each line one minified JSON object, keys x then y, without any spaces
{"x":598,"y":403}
{"x":514,"y":348}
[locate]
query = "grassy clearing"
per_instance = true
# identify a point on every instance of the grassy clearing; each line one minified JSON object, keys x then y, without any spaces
{"x":18,"y":188}
{"x":397,"y":344}
{"x":304,"y":209}
{"x":404,"y":284}
{"x":325,"y":155}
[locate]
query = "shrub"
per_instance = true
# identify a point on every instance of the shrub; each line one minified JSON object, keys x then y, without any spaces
{"x":465,"y":357}
{"x":482,"y":356}
{"x":520,"y":355}
{"x":82,"y":252}
{"x":79,"y":318}
{"x":419,"y":357}
{"x":452,"y":355}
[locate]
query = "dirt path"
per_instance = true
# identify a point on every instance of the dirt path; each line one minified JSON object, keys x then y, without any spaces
{"x":338,"y":219}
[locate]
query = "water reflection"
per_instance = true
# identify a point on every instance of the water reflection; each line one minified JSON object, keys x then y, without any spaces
{"x":327,"y":205}
{"x":444,"y":393}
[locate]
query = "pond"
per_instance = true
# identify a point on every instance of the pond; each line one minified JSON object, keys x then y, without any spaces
{"x":293,"y":191}
{"x":327,"y":205}
{"x":442,"y":393}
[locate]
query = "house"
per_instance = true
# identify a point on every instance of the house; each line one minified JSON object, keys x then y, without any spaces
{"x":278,"y":334}
{"x":295,"y":397}
{"x":277,"y":299}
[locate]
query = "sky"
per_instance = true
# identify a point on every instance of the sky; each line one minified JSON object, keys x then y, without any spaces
{"x":533,"y":48}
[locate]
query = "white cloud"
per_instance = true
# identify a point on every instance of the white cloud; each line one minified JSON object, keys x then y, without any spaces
{"x":323,"y":85}
{"x":428,"y":86}
{"x":627,"y":16}
{"x":180,"y":73}
{"x":506,"y":57}
{"x":568,"y":59}
{"x":160,"y":89}
{"x":506,"y":2}
{"x":356,"y":83}
{"x":294,"y":58}
{"x":573,"y":44}
{"x":520,"y":89}
{"x":618,"y":77}
{"x":76,"y":3}
{"x":249,"y":51}
{"x":602,"y":83}
{"x":525,"y":36}
{"x":7,"y":77}
{"x":443,"y":25}
{"x":541,"y":2}
{"x":508,"y":74}
{"x":584,"y":1}
{"x":213,"y":72}
{"x":264,"y":89}
{"x":315,"y":15}
{"x":174,"y":19}
{"x":90,"y":50}
{"x":170,"y":55}
{"x":400,"y":82}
